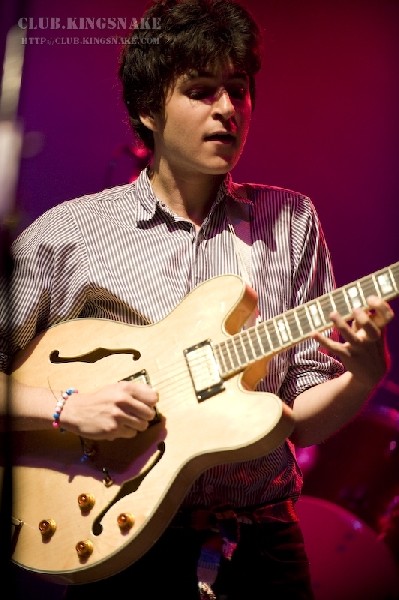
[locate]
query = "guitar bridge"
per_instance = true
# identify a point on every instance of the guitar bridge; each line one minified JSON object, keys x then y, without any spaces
{"x":142,"y":377}
{"x":204,"y":370}
{"x":139,"y":376}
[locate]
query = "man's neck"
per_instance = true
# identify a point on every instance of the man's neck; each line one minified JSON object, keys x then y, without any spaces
{"x":188,"y":197}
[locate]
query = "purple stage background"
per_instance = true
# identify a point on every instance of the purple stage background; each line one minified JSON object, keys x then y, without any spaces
{"x":326,"y":123}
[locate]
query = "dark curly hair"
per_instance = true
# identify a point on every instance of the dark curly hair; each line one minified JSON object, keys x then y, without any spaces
{"x":190,"y":34}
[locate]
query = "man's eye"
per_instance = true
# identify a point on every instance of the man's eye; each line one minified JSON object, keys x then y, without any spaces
{"x":238,"y":92}
{"x":200,"y":93}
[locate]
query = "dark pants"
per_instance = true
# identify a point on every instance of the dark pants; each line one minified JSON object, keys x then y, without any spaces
{"x":269,"y":564}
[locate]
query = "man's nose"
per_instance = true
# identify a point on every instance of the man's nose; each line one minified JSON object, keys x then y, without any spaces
{"x":223,"y":104}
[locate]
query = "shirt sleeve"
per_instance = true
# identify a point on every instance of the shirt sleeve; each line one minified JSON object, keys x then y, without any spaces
{"x":313,"y":276}
{"x":42,"y":288}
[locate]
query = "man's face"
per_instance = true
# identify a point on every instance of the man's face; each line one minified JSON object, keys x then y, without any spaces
{"x":205,"y":122}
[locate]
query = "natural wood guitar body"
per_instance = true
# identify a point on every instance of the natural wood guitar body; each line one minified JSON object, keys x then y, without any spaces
{"x":146,"y":478}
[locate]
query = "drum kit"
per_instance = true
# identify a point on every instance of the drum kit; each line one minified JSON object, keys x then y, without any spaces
{"x":350,"y":508}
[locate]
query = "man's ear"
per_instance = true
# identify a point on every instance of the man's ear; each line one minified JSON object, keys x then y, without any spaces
{"x":149,"y":122}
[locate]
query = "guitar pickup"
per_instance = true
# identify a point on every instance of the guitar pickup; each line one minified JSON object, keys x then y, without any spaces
{"x":204,"y":370}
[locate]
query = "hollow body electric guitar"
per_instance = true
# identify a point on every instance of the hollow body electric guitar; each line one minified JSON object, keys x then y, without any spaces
{"x":84,"y":510}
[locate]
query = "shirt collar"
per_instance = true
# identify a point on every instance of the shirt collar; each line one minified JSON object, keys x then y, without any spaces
{"x":149,"y":201}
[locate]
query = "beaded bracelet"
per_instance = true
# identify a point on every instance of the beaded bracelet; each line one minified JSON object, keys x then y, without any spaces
{"x":60,"y":405}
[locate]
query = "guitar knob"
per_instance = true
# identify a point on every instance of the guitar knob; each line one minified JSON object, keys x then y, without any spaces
{"x":47,"y":527}
{"x":125,"y":521}
{"x":84,"y":548}
{"x":86,"y":501}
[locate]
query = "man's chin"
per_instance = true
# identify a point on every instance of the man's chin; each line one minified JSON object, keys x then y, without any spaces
{"x":220,"y":166}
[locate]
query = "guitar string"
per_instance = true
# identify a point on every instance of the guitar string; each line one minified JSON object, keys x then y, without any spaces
{"x":180,"y":373}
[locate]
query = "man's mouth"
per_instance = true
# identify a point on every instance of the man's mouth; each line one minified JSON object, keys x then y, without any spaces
{"x":221,"y":136}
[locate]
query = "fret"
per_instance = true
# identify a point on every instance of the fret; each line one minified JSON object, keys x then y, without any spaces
{"x":226,"y":356}
{"x":383,"y":284}
{"x":354,"y":297}
{"x":333,"y":303}
{"x":283,"y":330}
{"x":362,"y":296}
{"x":276,"y":332}
{"x":294,"y":325}
{"x":348,"y":304}
{"x":394,"y":283}
{"x":303,"y":317}
{"x":306,"y":322}
{"x":340,"y":302}
{"x":246,"y":343}
{"x":266,"y":331}
{"x":237,"y":341}
{"x":217,"y":348}
{"x":232,"y":352}
{"x":369,"y":287}
{"x":313,"y":313}
{"x":263,"y":339}
{"x":220,"y":357}
{"x":256,"y":342}
{"x":327,"y":306}
{"x":273,"y":332}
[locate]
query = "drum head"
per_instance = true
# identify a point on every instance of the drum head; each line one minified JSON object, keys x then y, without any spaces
{"x":347,"y":559}
{"x":358,"y":467}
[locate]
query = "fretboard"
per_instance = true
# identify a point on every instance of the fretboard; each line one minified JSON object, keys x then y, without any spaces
{"x":272,"y":336}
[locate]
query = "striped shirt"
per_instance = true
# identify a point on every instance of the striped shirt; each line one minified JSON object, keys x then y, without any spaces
{"x":121,"y":254}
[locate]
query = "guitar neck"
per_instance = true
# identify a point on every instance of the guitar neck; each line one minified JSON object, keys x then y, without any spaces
{"x":271,"y":337}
